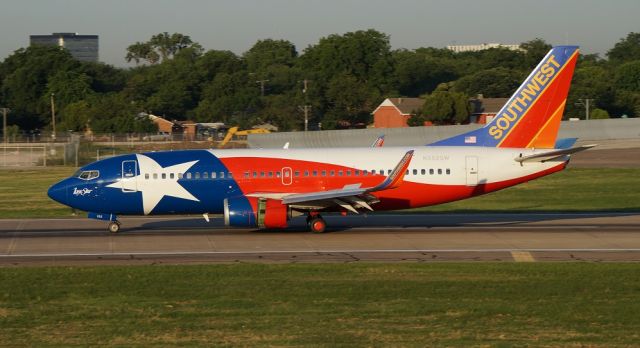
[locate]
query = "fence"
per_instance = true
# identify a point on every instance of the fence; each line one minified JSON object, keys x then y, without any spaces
{"x":591,"y":130}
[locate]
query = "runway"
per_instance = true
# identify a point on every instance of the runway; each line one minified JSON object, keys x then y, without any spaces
{"x":372,"y":238}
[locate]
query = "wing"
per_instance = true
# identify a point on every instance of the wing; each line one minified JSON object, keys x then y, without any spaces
{"x":551,"y":155}
{"x":350,"y":197}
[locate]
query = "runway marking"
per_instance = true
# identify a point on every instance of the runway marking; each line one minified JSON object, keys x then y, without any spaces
{"x":522,"y":256}
{"x":254,"y":252}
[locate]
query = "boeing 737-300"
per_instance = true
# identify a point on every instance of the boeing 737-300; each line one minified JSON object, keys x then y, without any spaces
{"x":264,"y":188}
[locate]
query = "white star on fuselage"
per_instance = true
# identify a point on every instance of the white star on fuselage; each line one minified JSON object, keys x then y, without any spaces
{"x":153,"y":190}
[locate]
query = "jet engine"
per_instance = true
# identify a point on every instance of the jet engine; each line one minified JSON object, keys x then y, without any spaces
{"x":270,"y":213}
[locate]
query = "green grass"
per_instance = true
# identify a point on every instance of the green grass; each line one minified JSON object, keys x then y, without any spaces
{"x":489,"y":304}
{"x":23,"y":193}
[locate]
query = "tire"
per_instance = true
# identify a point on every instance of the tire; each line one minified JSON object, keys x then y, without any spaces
{"x":114,"y":227}
{"x":317,"y":225}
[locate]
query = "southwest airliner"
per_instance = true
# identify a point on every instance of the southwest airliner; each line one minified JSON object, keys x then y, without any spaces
{"x":265,"y":188}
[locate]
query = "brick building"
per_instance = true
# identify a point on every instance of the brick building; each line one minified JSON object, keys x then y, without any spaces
{"x":395,"y":112}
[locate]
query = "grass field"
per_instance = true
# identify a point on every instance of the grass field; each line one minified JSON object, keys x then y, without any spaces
{"x":23,"y":193}
{"x":487,"y":304}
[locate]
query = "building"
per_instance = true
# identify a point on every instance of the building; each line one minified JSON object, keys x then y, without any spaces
{"x":395,"y":112}
{"x":483,"y":110}
{"x":81,"y":47}
{"x":481,"y":47}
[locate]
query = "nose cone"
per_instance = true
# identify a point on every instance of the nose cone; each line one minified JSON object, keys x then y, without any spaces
{"x":58,"y":192}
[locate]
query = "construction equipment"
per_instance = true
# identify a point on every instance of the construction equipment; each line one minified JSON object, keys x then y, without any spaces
{"x":234,"y":131}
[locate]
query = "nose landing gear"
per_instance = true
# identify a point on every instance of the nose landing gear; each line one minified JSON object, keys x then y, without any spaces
{"x":114,"y":226}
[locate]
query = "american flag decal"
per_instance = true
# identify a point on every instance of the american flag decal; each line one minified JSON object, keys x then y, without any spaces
{"x":470,"y":140}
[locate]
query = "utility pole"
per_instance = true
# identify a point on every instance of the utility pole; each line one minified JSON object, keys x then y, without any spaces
{"x":53,"y":118}
{"x":262,"y":83}
{"x":5,"y":111}
{"x":586,"y":103}
{"x":305,"y":109}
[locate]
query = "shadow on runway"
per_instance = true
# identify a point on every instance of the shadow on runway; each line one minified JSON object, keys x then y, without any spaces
{"x":383,"y":222}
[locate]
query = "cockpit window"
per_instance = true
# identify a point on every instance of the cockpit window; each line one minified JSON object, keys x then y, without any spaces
{"x":88,"y":174}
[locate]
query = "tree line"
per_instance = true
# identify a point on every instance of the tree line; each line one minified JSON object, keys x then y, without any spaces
{"x":341,"y":79}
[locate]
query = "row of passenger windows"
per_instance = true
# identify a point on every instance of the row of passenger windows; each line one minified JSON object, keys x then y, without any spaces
{"x":297,"y":173}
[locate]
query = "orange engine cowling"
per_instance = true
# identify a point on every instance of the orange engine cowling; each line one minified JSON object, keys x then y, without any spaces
{"x":273,"y":214}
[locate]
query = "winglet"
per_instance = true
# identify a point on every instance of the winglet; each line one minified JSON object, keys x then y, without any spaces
{"x":379,"y":141}
{"x":397,"y":174}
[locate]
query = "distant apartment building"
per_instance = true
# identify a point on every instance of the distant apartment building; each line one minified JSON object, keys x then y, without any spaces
{"x":81,"y":47}
{"x":481,"y":47}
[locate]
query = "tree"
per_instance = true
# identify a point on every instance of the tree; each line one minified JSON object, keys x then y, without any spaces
{"x":627,"y":76}
{"x":266,"y":53}
{"x":417,"y":73}
{"x":161,"y":47}
{"x":590,"y":82}
{"x":446,"y":107}
{"x":351,"y":100}
{"x":535,"y":50}
{"x":626,"y":49}
{"x":24,"y":77}
{"x":68,"y":87}
{"x":492,"y":83}
{"x":597,"y":114}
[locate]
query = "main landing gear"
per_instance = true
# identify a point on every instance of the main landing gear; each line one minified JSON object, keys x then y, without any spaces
{"x":114,"y":226}
{"x":316,"y":223}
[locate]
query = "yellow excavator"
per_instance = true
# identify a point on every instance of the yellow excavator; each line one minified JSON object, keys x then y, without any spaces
{"x":234,"y":131}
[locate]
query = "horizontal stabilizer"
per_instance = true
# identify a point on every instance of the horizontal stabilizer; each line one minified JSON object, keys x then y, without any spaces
{"x":551,"y":155}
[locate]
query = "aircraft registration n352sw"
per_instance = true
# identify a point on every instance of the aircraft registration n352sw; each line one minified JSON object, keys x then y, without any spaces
{"x":264,"y":188}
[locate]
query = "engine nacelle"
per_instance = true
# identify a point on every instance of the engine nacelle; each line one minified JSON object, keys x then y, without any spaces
{"x":269,"y":213}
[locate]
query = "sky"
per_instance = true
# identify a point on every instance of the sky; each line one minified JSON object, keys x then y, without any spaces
{"x":235,"y":25}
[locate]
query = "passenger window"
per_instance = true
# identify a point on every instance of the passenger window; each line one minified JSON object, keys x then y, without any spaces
{"x":348,"y":173}
{"x":339,"y":173}
{"x":221,"y":175}
{"x":381,"y":171}
{"x":180,"y":175}
{"x":255,"y":174}
{"x":388,"y":171}
{"x":155,"y":175}
{"x":271,"y":174}
{"x":423,"y":172}
{"x":448,"y":171}
{"x":277,"y":174}
{"x":439,"y":171}
{"x":146,"y":176}
{"x":230,"y":175}
{"x":197,"y":175}
{"x":246,"y":175}
{"x":356,"y":173}
{"x":297,"y":173}
{"x":306,"y":173}
{"x":172,"y":175}
{"x":315,"y":173}
{"x":213,"y":175}
{"x":188,"y":176}
{"x":332,"y":173}
{"x":205,"y":175}
{"x":415,"y":172}
{"x":164,"y":175}
{"x":262,"y":174}
{"x":431,"y":171}
{"x":324,"y":173}
{"x":365,"y":173}
{"x":407,"y":173}
{"x":373,"y":172}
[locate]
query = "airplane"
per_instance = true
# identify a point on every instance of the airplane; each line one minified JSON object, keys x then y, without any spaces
{"x":265,"y":188}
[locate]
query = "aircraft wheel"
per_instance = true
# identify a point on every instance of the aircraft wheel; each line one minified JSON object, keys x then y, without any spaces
{"x":317,"y":225}
{"x":114,"y":226}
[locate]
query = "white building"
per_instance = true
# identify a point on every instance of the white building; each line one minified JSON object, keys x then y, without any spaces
{"x":484,"y":46}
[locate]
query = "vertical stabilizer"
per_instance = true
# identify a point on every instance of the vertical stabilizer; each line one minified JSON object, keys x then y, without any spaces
{"x":531,"y":118}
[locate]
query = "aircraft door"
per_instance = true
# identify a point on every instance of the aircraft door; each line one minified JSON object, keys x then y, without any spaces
{"x":129,"y":173}
{"x":287,"y":176}
{"x":472,"y":170}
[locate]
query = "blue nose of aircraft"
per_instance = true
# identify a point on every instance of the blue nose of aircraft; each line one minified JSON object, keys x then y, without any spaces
{"x":58,"y":192}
